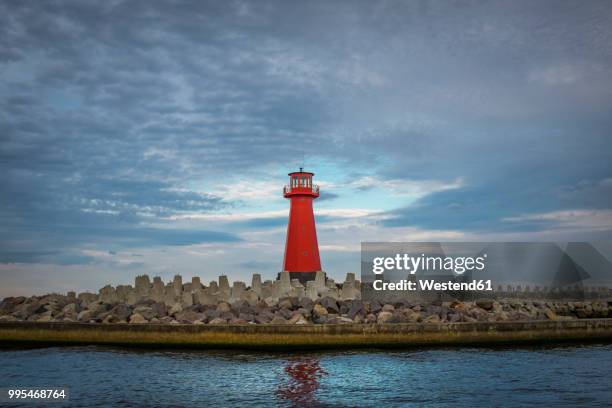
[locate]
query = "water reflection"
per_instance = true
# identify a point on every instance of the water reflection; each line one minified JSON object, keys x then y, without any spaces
{"x":300,"y":388}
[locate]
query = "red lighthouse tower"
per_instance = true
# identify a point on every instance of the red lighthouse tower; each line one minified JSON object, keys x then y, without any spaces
{"x":301,"y":249}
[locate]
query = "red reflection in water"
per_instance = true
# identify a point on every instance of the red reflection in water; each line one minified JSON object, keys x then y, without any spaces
{"x":304,"y":375}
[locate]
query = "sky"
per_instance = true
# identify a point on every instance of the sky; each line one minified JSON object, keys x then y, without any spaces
{"x":155,"y":137}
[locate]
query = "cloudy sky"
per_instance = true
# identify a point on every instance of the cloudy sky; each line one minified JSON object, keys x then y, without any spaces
{"x":155,"y":137}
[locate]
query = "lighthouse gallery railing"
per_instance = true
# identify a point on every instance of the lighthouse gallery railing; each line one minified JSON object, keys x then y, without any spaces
{"x":288,"y":189}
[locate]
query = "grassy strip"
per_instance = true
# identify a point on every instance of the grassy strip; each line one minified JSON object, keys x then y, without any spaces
{"x":287,"y":341}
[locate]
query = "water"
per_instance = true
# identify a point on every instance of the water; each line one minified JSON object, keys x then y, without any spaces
{"x":107,"y":377}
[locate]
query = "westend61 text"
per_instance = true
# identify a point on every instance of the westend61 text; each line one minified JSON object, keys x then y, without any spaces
{"x":428,"y":284}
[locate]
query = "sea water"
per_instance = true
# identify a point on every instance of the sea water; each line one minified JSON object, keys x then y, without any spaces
{"x":460,"y":377}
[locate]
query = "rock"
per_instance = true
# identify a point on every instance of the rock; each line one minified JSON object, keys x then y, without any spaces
{"x":486,"y":304}
{"x":70,"y":311}
{"x":330,"y":304}
{"x":98,"y":307}
{"x":110,"y":318}
{"x":384,"y":317}
{"x":84,"y":316}
{"x":356,"y":308}
{"x":284,"y":313}
{"x":218,"y":320}
{"x":278,"y":320}
{"x":263,"y":319}
{"x":137,"y":318}
{"x":454,"y":318}
{"x":176,"y":308}
{"x":433,"y":318}
{"x":551,"y":315}
{"x":388,"y":308}
{"x":86,"y":298}
{"x":45,"y":318}
{"x":374,"y":306}
{"x":159,"y":309}
{"x":319,"y":310}
{"x":7,"y":306}
{"x":7,"y":318}
{"x":247,"y":317}
{"x":145,"y":311}
{"x":122,"y":312}
{"x":241,"y":306}
{"x":339,"y":320}
{"x":306,"y":303}
{"x":271,"y":301}
{"x":285,"y":303}
{"x":297,"y":319}
{"x":189,"y":316}
{"x":29,"y":308}
{"x":223,"y":307}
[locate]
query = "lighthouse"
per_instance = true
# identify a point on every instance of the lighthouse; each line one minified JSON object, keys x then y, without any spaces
{"x":301,"y":248}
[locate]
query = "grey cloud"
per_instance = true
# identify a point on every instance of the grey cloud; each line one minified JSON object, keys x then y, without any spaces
{"x":111,"y":110}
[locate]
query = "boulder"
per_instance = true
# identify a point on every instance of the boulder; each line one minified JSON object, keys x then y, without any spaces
{"x":71,"y":311}
{"x":176,"y":308}
{"x":263,"y":319}
{"x":121,"y":312}
{"x":388,"y":308}
{"x":137,"y":318}
{"x":278,"y":320}
{"x":84,"y":316}
{"x":45,"y":317}
{"x":486,"y":304}
{"x":218,"y":320}
{"x":384,"y":317}
{"x":145,"y":311}
{"x":285,"y":303}
{"x":297,"y":319}
{"x":159,"y":309}
{"x":356,"y":307}
{"x":7,"y":306}
{"x":189,"y":316}
{"x":339,"y":320}
{"x":223,"y":307}
{"x":319,"y":310}
{"x":306,"y":303}
{"x":551,"y":315}
{"x":97,"y":308}
{"x":371,"y":318}
{"x":432,"y":318}
{"x":374,"y":306}
{"x":330,"y":304}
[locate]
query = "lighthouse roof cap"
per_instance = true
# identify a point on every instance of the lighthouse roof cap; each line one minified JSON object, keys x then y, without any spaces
{"x":300,"y":172}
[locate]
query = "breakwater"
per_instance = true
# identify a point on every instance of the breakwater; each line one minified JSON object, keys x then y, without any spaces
{"x":275,"y":337}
